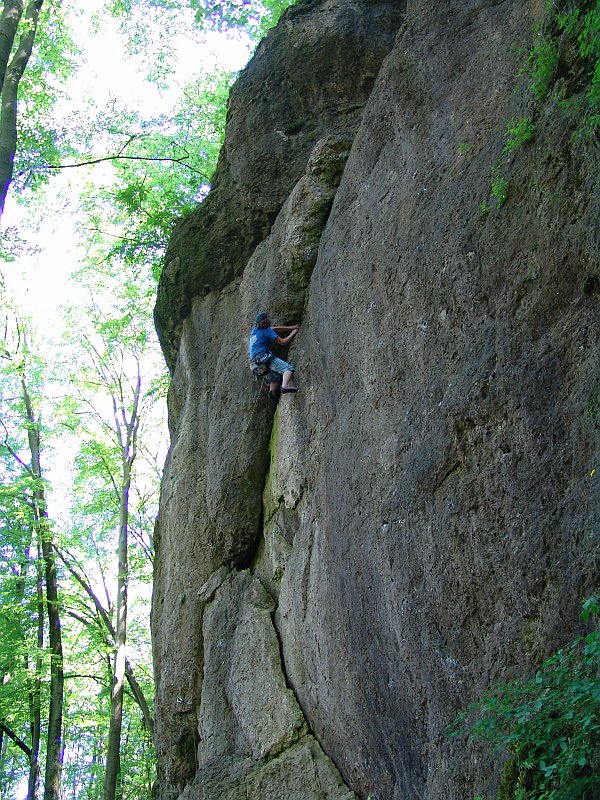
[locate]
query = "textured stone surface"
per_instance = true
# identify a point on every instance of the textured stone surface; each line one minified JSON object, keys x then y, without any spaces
{"x":252,"y":736}
{"x":328,"y":54}
{"x":449,"y":523}
{"x":429,"y":518}
{"x":210,"y":510}
{"x":246,"y":708}
{"x":302,"y":772}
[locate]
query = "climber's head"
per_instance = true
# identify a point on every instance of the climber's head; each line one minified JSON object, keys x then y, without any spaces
{"x":262,"y":320}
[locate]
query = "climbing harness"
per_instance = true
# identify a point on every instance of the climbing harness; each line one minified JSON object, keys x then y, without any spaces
{"x":262,"y":365}
{"x":264,"y":375}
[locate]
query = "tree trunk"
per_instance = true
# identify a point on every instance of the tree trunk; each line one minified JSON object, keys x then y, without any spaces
{"x":10,"y":84}
{"x":35,"y":691}
{"x":9,"y":23}
{"x":53,"y":748}
{"x":126,"y":428}
{"x":113,"y":758}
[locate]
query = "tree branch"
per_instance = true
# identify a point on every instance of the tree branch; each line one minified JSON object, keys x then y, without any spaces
{"x":88,"y":590}
{"x":19,"y":742}
{"x":118,"y":157}
{"x":19,"y":461}
{"x":139,"y":697}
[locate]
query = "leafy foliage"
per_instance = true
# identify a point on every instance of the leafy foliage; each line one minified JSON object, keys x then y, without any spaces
{"x":25,"y":664}
{"x":105,"y":340}
{"x":518,"y":132}
{"x":499,"y":188}
{"x":40,"y":139}
{"x":543,"y":63}
{"x":255,"y":16}
{"x":162,"y":170}
{"x":550,"y":724}
{"x":568,"y":43}
{"x":117,"y":373}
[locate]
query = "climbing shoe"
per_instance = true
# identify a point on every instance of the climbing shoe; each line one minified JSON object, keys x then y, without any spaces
{"x":289,"y":389}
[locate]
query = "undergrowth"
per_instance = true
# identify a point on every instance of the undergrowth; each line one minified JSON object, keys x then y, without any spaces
{"x":549,"y":724}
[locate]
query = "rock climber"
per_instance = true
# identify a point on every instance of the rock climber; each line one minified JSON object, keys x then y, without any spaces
{"x":262,"y":337}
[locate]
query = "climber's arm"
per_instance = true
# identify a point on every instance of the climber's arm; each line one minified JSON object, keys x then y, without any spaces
{"x":286,"y":340}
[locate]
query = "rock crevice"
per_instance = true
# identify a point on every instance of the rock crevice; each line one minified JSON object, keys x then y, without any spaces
{"x":249,"y":720}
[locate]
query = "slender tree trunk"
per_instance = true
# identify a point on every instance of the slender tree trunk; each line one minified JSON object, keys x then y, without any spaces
{"x":126,"y":429}
{"x":35,"y":691}
{"x":113,"y":759}
{"x":33,"y":675}
{"x":53,"y":748}
{"x":10,"y":83}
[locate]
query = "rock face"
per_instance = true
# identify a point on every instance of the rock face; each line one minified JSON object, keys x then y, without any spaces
{"x":328,"y":55}
{"x":336,"y":580}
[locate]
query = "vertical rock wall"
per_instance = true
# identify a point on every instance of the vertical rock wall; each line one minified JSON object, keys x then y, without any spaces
{"x":333,"y":583}
{"x":291,"y":122}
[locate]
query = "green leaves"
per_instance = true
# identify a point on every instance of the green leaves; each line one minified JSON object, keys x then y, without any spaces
{"x":105,"y":395}
{"x":162,"y":170}
{"x":38,"y":136}
{"x":550,"y":724}
{"x":542,"y":63}
{"x":518,"y":132}
{"x":499,"y":188}
{"x":568,"y":44}
{"x":254,"y":16}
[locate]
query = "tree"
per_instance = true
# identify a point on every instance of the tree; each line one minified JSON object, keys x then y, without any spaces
{"x":161,"y":169}
{"x":42,"y":523}
{"x":129,"y":217}
{"x":21,"y":600}
{"x":126,"y":417}
{"x":108,"y":505}
{"x":36,"y":55}
{"x":22,"y":368}
{"x":11,"y":72}
{"x":254,"y":16}
{"x":111,"y":354}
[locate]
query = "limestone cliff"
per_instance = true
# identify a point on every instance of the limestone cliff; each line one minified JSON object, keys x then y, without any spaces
{"x":335,"y":579}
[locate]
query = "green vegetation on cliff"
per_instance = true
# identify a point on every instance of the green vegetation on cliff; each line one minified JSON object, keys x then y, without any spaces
{"x":549,"y":724}
{"x":564,"y":62}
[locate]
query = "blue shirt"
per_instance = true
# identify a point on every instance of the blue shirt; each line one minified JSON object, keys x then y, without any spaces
{"x":260,"y":341}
